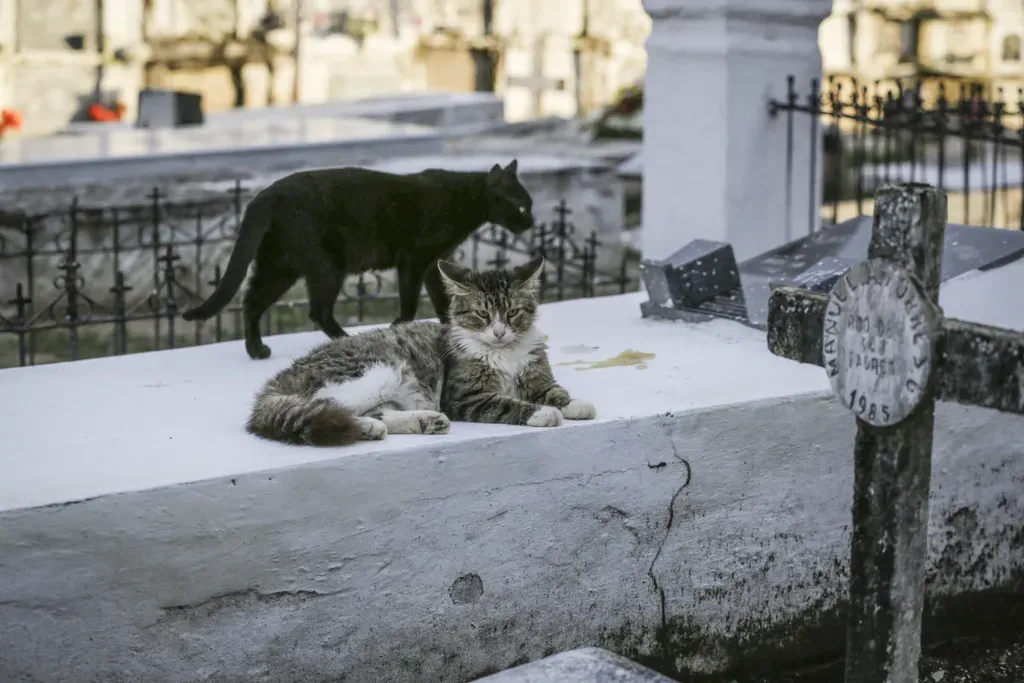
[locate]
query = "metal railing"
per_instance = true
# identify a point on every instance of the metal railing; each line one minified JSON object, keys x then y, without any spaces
{"x":969,"y":143}
{"x":87,"y":282}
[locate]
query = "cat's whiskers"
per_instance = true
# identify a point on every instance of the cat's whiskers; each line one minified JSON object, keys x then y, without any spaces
{"x":507,"y":360}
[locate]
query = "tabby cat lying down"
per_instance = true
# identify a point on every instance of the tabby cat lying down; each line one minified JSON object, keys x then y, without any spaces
{"x":489,"y":365}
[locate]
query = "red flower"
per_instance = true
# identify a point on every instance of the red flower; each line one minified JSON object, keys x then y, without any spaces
{"x":97,"y":112}
{"x":10,"y":118}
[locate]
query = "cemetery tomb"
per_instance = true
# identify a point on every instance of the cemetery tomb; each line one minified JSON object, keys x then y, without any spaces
{"x":562,"y":137}
{"x":251,"y":145}
{"x":816,"y":262}
{"x":240,"y":142}
{"x":698,"y":526}
{"x":448,"y":110}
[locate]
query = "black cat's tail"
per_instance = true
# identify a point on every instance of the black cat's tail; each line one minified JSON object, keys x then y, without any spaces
{"x":255,"y":224}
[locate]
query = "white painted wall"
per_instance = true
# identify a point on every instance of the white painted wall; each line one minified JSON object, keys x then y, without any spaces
{"x":714,"y":162}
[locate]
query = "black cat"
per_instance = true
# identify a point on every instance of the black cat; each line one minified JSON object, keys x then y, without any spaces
{"x":325,"y":224}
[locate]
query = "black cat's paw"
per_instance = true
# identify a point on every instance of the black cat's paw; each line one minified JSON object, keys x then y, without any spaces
{"x":399,"y":321}
{"x":258,"y":351}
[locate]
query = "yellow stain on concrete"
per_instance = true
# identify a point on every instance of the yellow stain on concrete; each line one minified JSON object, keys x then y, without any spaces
{"x":629,"y":357}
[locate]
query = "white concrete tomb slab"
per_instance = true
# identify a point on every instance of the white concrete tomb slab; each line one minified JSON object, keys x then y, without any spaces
{"x":434,"y":108}
{"x":185,"y":410}
{"x":145,"y":536}
{"x":247,"y":145}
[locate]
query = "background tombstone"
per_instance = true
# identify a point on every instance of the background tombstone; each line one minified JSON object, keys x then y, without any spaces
{"x":889,"y":355}
{"x":536,"y":82}
{"x":700,"y":272}
{"x":169,"y":109}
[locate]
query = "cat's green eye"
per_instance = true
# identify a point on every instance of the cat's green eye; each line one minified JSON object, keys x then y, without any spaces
{"x":483,"y":315}
{"x":512,"y":312}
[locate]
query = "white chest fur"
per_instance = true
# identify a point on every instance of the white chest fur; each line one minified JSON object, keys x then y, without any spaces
{"x":508,"y":362}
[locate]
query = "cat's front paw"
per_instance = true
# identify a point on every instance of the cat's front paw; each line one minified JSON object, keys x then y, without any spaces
{"x":545,"y":416}
{"x":433,"y":422}
{"x":579,"y":410}
{"x":372,"y":429}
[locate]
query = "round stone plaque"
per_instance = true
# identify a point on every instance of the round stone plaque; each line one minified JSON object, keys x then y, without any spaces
{"x":878,"y":342}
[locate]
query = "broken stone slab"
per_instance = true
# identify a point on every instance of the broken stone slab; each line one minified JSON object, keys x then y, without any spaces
{"x":696,"y":273}
{"x":586,"y":665}
{"x":823,"y":275}
{"x":650,"y":309}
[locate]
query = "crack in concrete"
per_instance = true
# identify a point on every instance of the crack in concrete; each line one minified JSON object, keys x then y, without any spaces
{"x":32,"y":606}
{"x":217,"y":603}
{"x":658,"y":588}
{"x":587,"y":478}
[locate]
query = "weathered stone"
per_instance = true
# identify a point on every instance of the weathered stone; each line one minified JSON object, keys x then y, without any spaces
{"x":892,"y":453}
{"x":699,"y":271}
{"x":981,"y":366}
{"x":586,"y":665}
{"x":879,"y":342}
{"x":795,"y":323}
{"x":649,"y":309}
{"x":823,"y":275}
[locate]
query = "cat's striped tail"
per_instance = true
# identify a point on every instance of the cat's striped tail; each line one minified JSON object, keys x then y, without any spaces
{"x":298,"y":419}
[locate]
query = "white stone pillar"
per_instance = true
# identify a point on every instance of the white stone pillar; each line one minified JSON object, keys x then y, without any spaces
{"x":714,"y":161}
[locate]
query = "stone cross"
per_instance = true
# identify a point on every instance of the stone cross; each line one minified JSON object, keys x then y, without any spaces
{"x":889,"y":355}
{"x":536,"y":82}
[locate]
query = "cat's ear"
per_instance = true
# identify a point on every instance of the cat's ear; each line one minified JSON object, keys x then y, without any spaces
{"x":528,"y":274}
{"x":453,"y":277}
{"x":495,"y":176}
{"x":512,"y":168}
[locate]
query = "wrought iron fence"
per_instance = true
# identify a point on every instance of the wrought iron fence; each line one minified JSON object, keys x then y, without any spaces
{"x":966,"y":139}
{"x":88,"y":282}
